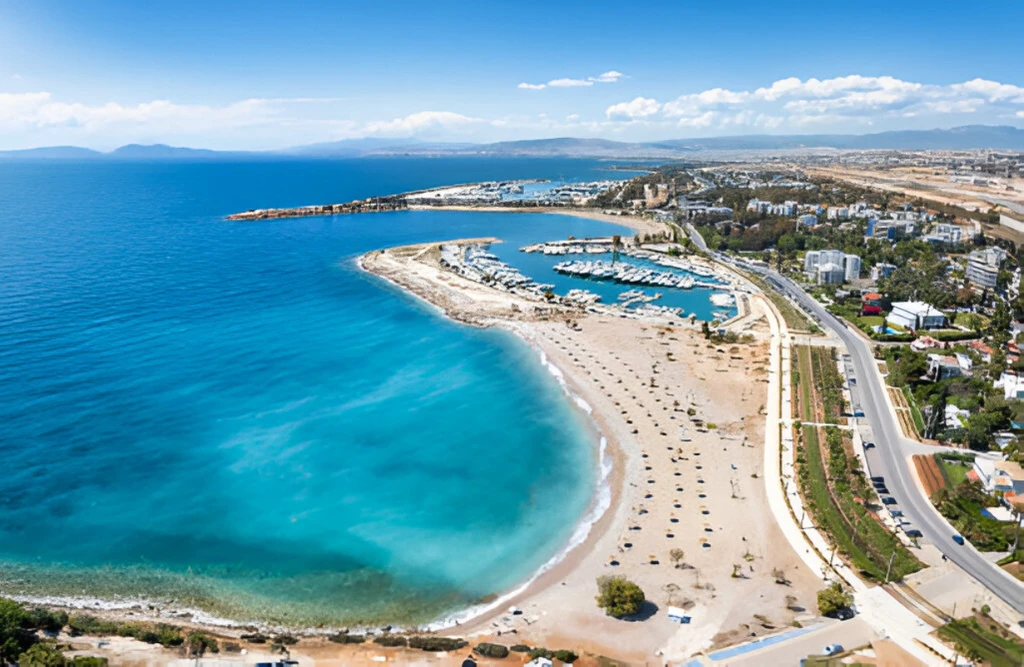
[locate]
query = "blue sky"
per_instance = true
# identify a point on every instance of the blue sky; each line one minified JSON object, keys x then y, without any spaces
{"x":268,"y":75}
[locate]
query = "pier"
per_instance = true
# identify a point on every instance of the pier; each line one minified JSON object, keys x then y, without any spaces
{"x":504,"y":194}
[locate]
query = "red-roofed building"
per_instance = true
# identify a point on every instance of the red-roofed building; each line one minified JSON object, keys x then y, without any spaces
{"x":871,"y":303}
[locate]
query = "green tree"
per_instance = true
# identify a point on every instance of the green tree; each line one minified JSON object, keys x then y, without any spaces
{"x":88,"y":661}
{"x":833,"y":598}
{"x":619,"y":596}
{"x":937,"y":420}
{"x":14,"y":640}
{"x":999,"y":325}
{"x":42,"y":655}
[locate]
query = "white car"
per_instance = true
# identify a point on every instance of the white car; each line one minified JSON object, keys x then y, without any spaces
{"x":832,"y":649}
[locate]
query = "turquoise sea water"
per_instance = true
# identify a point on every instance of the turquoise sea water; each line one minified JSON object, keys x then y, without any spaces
{"x":232,"y":416}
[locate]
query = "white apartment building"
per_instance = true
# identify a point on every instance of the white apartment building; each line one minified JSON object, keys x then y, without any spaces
{"x":983,"y":267}
{"x":852,"y":268}
{"x":916,"y":315}
{"x":882,"y":270}
{"x":831,"y":267}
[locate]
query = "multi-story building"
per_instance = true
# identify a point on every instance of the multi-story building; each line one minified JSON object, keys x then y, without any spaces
{"x":946,"y":233}
{"x":882,"y":270}
{"x":916,"y":315}
{"x":831,"y":267}
{"x":983,"y":267}
{"x":892,"y":230}
{"x":758,"y":206}
{"x":851,"y":267}
{"x":808,"y":220}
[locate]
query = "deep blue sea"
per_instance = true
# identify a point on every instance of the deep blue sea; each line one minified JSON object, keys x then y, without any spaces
{"x":233,"y":417}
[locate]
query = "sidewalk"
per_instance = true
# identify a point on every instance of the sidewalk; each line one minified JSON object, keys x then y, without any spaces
{"x":875,"y":606}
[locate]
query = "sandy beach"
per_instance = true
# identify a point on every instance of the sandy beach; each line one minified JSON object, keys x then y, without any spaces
{"x":684,"y":422}
{"x":683,"y":418}
{"x":637,"y":223}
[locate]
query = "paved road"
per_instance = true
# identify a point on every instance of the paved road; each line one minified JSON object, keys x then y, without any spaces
{"x":848,"y":634}
{"x":893,"y":451}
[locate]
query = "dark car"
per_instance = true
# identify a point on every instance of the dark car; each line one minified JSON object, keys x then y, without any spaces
{"x":959,"y":539}
{"x":881,"y":490}
{"x":888,"y":500}
{"x":895,"y":512}
{"x":869,"y":445}
{"x":913,"y":532}
{"x":843,"y":614}
{"x":877,"y":478}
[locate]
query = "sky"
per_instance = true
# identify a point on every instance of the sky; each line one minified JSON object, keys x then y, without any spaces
{"x":259,"y":75}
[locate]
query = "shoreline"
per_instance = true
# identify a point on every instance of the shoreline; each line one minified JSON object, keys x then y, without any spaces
{"x":590,"y":348}
{"x":567,"y":555}
{"x":638,"y":224}
{"x":613,"y":369}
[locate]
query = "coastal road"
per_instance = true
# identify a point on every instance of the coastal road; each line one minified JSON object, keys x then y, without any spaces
{"x":894,"y":450}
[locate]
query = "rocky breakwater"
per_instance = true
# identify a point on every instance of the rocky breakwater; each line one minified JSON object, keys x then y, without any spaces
{"x":371,"y":205}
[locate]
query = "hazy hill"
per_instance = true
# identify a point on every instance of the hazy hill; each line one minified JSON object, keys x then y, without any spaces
{"x":958,"y":138}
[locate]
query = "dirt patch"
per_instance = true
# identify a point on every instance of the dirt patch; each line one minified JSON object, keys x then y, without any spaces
{"x":929,"y":472}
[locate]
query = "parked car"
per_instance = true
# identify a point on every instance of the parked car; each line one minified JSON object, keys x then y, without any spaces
{"x":913,"y":532}
{"x":888,"y":500}
{"x":832,"y":649}
{"x":877,"y":478}
{"x":869,"y":445}
{"x":895,"y":513}
{"x":959,"y":539}
{"x":844,"y":614}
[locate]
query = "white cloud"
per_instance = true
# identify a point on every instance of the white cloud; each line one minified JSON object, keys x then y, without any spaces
{"x":703,"y":120}
{"x":421,"y":122}
{"x":640,"y":107}
{"x":837,"y":101}
{"x":573,"y":117}
{"x":992,"y":90}
{"x":569,"y":83}
{"x":40,"y":110}
{"x":611,"y":76}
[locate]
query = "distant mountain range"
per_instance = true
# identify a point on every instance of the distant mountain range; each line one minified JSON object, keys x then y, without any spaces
{"x":1000,"y":137}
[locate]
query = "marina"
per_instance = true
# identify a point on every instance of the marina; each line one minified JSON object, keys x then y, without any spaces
{"x":683,"y":287}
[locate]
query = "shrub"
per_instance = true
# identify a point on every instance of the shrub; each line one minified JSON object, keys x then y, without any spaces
{"x":46,"y":620}
{"x":619,"y":596}
{"x":254,"y":638}
{"x":519,"y":648}
{"x":391,"y":640}
{"x":285,"y":640}
{"x":492,"y":650}
{"x":168,"y":635}
{"x":346,"y":638}
{"x":88,"y":661}
{"x":14,"y":639}
{"x":199,"y":643}
{"x":566,"y":656}
{"x":437,"y":643}
{"x":540,"y":652}
{"x":833,"y":598}
{"x":84,"y":624}
{"x":42,"y":655}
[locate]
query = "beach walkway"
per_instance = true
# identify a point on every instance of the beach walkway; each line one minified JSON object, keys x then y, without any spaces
{"x":875,"y":605}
